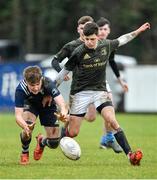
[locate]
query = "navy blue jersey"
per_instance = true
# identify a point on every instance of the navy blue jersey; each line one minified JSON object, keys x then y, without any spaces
{"x":23,"y":94}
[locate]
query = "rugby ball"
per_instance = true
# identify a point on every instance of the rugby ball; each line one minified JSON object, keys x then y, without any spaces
{"x":70,"y":148}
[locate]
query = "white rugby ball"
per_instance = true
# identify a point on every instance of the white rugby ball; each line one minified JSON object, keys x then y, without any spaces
{"x":70,"y":148}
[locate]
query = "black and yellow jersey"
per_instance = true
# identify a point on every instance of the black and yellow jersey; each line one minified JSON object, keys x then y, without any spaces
{"x":90,"y":66}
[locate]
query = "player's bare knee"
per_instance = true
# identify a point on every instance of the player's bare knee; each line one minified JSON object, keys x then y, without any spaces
{"x":73,"y":133}
{"x":90,"y":118}
{"x":53,"y":142}
{"x":29,"y":122}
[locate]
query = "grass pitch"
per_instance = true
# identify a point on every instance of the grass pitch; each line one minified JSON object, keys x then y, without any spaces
{"x":94,"y":163}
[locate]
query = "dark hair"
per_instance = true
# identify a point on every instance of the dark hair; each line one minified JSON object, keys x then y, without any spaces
{"x":85,"y":19}
{"x":90,"y":28}
{"x":32,"y":74}
{"x":103,"y":21}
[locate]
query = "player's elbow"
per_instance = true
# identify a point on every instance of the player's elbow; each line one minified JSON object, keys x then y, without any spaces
{"x":55,"y":64}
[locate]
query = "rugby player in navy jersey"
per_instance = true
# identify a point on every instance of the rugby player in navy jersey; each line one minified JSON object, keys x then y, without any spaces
{"x":90,"y":60}
{"x":28,"y":106}
{"x":108,"y":141}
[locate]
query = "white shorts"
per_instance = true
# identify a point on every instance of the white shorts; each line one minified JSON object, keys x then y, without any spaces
{"x":80,"y":101}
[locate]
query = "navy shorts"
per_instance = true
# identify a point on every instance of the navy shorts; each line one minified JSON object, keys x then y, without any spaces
{"x":46,"y":114}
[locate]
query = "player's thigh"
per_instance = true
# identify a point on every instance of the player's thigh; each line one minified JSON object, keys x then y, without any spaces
{"x":80,"y":102}
{"x":108,"y":114}
{"x":30,"y":112}
{"x":75,"y":123}
{"x":52,"y":132}
{"x":47,"y":117}
{"x":91,"y":113}
{"x":91,"y":109}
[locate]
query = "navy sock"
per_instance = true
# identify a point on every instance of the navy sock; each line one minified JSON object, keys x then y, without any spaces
{"x":25,"y":144}
{"x":122,"y":141}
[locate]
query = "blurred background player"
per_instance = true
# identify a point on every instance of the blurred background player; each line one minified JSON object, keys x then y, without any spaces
{"x":104,"y":25}
{"x":28,"y":106}
{"x":66,"y":52}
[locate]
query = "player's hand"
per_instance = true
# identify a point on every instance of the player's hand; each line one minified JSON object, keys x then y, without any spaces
{"x":66,"y":78}
{"x":61,"y":117}
{"x":27,"y":131}
{"x":125,"y":87}
{"x":31,"y":126}
{"x":46,"y":101}
{"x":123,"y":84}
{"x":144,"y":27}
{"x":109,"y":95}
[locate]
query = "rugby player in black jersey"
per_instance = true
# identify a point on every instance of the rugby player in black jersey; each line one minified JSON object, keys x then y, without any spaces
{"x":90,"y":60}
{"x":28,"y":106}
{"x":66,"y":52}
{"x":108,"y":140}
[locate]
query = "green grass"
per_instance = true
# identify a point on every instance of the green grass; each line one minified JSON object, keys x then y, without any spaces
{"x":94,"y":163}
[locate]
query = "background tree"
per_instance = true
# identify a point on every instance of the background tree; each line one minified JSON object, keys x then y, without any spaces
{"x":43,"y":26}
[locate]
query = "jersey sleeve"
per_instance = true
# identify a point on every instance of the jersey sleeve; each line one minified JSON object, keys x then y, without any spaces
{"x":60,"y":56}
{"x":74,"y":58}
{"x":55,"y":64}
{"x":63,"y":53}
{"x":50,"y":88}
{"x":19,"y":98}
{"x":71,"y":63}
{"x":113,"y":64}
{"x":55,"y":92}
{"x":113,"y":45}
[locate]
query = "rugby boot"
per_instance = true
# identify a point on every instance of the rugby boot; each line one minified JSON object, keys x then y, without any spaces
{"x":24,"y":159}
{"x":135,"y":157}
{"x":38,"y":150}
{"x":112,"y":144}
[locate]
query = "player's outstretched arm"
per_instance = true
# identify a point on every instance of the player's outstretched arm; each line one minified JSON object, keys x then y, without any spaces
{"x":20,"y":121}
{"x":60,"y":77}
{"x":62,"y":115}
{"x":130,"y":36}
